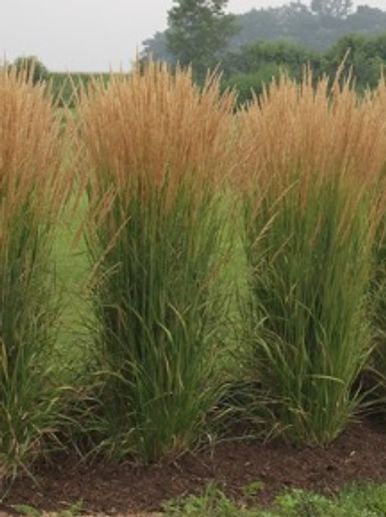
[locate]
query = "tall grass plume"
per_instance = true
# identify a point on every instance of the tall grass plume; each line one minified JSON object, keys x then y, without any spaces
{"x":33,"y":189}
{"x":310,"y":159}
{"x":155,"y":157}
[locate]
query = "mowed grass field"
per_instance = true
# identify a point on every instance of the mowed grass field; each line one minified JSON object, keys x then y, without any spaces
{"x":72,"y":276}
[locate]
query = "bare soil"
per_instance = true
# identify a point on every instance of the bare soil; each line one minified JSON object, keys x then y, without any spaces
{"x":359,"y":455}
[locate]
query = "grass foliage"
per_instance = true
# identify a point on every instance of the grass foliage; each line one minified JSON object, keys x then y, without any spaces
{"x":184,"y":201}
{"x":313,"y":159}
{"x":33,"y":189}
{"x":352,"y":501}
{"x":156,"y":154}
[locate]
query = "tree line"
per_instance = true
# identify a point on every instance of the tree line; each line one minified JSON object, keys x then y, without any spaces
{"x":202,"y":32}
{"x":253,"y":48}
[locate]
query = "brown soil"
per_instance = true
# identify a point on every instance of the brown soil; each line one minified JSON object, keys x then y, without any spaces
{"x":358,"y":455}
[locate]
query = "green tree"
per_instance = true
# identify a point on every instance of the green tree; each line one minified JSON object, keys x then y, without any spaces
{"x":363,"y":57}
{"x":333,"y":8}
{"x":157,"y":48}
{"x":247,"y":85}
{"x":251,"y":58}
{"x":198,"y":32}
{"x":254,"y":66}
{"x":33,"y":66}
{"x":294,"y":22}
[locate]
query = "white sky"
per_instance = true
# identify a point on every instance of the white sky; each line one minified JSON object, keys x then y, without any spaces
{"x":92,"y":35}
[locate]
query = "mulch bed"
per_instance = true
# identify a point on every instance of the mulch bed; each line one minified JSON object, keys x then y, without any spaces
{"x":358,"y":455}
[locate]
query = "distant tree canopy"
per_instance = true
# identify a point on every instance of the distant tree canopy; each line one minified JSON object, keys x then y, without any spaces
{"x":248,"y":69}
{"x":246,"y":66}
{"x":198,"y":32}
{"x":334,"y":8}
{"x":157,"y":48}
{"x":252,"y":58}
{"x":254,"y":66}
{"x":32,"y":66}
{"x":316,"y":26}
{"x":254,"y":47}
{"x":364,"y":57}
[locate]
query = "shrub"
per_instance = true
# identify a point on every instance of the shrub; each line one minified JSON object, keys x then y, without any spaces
{"x":155,"y":155}
{"x":248,"y":85}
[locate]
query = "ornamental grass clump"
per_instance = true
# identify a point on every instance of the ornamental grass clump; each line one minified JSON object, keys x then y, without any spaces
{"x":310,"y":159}
{"x":375,"y":377}
{"x":155,"y":156}
{"x":33,"y":190}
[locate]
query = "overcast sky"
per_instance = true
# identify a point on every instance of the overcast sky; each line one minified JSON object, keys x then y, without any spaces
{"x":91,"y":35}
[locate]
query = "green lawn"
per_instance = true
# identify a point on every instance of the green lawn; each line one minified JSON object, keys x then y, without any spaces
{"x":72,"y":273}
{"x":355,"y":501}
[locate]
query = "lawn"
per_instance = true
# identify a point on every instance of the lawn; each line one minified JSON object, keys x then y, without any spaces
{"x":352,"y":501}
